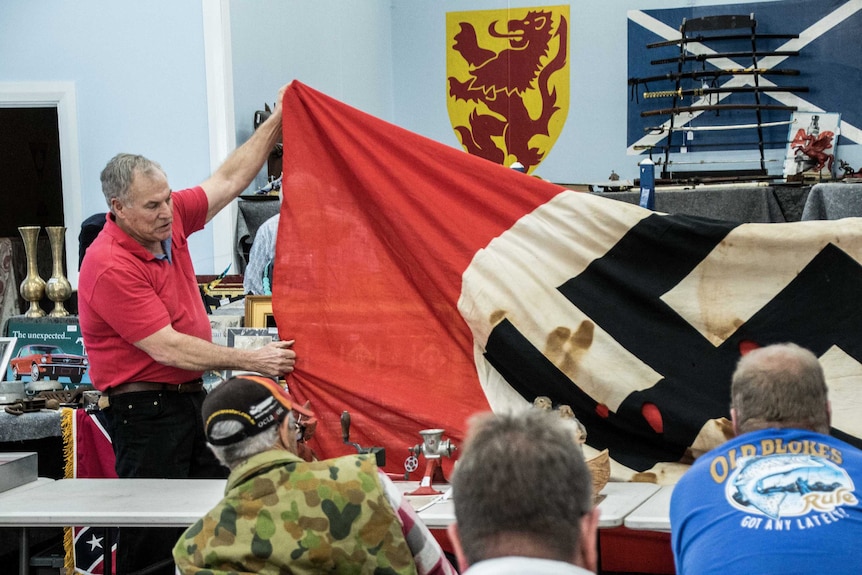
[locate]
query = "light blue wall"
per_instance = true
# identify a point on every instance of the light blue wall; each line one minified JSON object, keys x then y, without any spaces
{"x":338,"y":47}
{"x":140,"y":78}
{"x":138,"y":70}
{"x":593,"y":141}
{"x":388,"y":58}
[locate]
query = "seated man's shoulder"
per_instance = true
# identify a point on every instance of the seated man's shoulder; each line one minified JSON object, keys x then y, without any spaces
{"x":271,"y":222}
{"x":774,"y":474}
{"x":345,"y":468}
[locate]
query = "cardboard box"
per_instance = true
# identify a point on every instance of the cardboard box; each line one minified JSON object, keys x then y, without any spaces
{"x":17,"y":469}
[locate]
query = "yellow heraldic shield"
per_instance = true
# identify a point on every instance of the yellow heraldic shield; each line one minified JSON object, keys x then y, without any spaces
{"x":508,"y":81}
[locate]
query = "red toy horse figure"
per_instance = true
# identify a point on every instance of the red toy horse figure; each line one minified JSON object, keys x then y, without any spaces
{"x":813,"y":148}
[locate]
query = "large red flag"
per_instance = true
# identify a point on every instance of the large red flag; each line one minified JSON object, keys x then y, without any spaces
{"x":377,"y":226}
{"x":423,"y":284}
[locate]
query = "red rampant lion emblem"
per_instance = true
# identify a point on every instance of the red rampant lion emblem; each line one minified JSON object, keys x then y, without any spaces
{"x":511,"y":87}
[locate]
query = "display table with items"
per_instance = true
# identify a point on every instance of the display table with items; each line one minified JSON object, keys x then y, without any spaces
{"x":45,"y":361}
{"x":743,"y":203}
{"x":28,"y":426}
{"x":38,"y":432}
{"x":833,"y":201}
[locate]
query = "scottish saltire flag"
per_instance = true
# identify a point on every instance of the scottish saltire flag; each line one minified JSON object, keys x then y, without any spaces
{"x":423,"y":284}
{"x":828,"y":61}
{"x":87,"y":452}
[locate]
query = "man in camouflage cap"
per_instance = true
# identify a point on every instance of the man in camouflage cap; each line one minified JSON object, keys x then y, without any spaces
{"x":282,"y":514}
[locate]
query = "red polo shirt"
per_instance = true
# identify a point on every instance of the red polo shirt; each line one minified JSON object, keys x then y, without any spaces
{"x":125,"y":294}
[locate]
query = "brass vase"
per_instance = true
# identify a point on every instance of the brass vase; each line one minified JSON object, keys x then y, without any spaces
{"x":33,"y":287}
{"x":58,"y":288}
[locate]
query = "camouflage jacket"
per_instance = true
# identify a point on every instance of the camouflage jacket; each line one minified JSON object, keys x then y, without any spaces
{"x":281,"y":515}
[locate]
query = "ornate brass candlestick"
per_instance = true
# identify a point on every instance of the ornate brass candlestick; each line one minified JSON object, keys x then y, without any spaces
{"x":58,"y":288}
{"x":33,"y":287}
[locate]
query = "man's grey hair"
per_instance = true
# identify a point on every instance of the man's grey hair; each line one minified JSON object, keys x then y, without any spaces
{"x":236,"y":453}
{"x":780,"y":385}
{"x":521,"y":478}
{"x":118,"y":175}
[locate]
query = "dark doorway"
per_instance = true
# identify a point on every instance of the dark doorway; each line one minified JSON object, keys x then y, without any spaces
{"x":31,"y":189}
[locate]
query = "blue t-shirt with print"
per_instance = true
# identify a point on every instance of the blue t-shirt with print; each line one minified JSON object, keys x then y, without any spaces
{"x":771,"y":501}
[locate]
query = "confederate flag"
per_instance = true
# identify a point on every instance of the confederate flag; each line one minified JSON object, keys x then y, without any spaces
{"x":87,"y":452}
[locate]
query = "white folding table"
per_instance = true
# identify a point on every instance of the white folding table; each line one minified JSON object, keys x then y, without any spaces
{"x":20,"y":492}
{"x":181,"y":502}
{"x":618,"y":500}
{"x":654,"y":513}
{"x":107,"y":503}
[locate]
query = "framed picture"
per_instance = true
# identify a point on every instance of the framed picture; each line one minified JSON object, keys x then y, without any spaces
{"x":37,"y":341}
{"x":7,"y":345}
{"x":811,"y":146}
{"x":258,"y":311}
{"x":220,"y":324}
{"x":249,"y":338}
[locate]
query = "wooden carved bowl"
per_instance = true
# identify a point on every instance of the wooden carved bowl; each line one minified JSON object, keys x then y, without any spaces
{"x":600,"y":469}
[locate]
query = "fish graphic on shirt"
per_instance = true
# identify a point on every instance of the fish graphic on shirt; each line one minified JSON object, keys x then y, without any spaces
{"x":766,"y":482}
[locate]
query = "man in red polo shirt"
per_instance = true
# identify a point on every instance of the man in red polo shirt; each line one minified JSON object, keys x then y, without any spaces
{"x":146,"y":331}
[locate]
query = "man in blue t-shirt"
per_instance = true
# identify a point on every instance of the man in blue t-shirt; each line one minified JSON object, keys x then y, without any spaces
{"x":781,"y":496}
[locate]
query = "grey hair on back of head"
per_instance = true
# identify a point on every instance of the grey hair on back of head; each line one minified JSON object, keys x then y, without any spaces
{"x":520,"y":477}
{"x":780,"y":385}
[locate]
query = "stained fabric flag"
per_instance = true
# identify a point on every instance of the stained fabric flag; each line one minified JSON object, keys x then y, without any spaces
{"x":423,"y":284}
{"x":87,"y":452}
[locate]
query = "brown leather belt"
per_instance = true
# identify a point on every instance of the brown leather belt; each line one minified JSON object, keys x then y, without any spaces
{"x":192,"y":386}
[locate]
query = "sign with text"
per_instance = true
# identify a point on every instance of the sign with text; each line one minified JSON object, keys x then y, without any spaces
{"x":47,"y":348}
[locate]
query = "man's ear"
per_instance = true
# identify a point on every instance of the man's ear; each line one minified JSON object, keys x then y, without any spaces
{"x":733,"y":419}
{"x":287,"y":434}
{"x":455,"y":540}
{"x":588,"y":553}
{"x":116,"y":206}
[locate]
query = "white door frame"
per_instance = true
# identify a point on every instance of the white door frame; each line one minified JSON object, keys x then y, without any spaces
{"x":59,"y":95}
{"x":222,"y":126}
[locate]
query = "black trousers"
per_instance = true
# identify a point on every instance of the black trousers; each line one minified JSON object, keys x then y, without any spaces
{"x":157,"y":434}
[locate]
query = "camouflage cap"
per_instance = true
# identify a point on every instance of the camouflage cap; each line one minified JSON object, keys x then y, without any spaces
{"x":255,"y":402}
